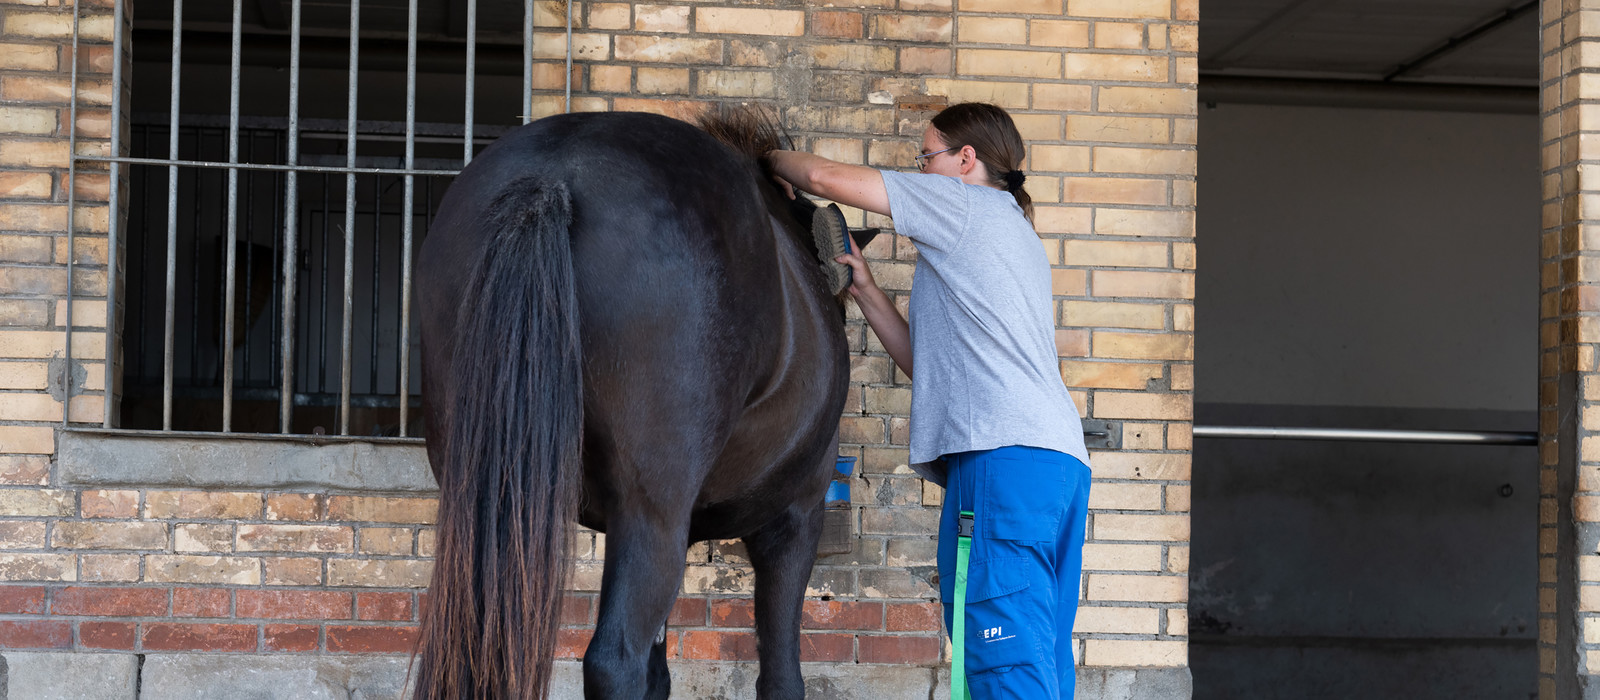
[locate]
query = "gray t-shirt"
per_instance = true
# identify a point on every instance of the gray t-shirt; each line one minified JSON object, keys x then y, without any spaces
{"x":983,"y":350}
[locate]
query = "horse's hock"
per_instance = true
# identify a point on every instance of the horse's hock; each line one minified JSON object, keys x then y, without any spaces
{"x":144,"y":553}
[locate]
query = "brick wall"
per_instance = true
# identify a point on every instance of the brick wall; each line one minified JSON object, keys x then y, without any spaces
{"x":1569,"y":378}
{"x":1103,"y":91}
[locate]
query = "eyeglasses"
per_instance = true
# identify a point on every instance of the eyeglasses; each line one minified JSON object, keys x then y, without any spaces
{"x":922,"y":160}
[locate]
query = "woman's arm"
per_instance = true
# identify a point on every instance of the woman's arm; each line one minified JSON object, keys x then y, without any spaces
{"x":879,"y":310}
{"x":852,"y":185}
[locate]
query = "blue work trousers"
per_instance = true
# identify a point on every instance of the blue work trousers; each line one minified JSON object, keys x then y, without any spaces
{"x":1029,"y":506}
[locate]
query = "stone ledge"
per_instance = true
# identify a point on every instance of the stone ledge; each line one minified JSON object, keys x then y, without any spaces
{"x":93,"y":676}
{"x":140,"y":460}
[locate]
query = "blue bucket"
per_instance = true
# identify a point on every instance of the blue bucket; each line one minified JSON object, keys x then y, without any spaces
{"x":839,"y":489}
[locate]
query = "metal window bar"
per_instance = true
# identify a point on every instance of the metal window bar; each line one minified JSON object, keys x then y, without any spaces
{"x":1438,"y":437}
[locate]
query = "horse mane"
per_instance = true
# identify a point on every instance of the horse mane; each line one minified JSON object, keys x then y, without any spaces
{"x":748,"y":130}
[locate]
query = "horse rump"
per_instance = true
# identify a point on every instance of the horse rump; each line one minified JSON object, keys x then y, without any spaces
{"x":513,"y":436}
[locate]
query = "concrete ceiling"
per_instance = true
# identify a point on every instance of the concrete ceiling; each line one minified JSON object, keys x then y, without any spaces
{"x":1438,"y":42}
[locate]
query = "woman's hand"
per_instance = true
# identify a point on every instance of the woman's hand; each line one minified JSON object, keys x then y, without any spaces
{"x":861,"y":281}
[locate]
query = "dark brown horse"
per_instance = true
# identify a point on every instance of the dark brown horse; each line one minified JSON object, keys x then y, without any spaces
{"x":624,"y":324}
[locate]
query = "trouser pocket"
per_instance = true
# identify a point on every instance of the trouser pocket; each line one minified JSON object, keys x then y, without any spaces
{"x":1000,"y":625}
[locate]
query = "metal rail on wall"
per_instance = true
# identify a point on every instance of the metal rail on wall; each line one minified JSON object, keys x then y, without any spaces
{"x":1436,"y":437}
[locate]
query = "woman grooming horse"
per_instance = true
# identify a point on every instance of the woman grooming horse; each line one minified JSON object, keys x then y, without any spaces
{"x":990,"y":418}
{"x":623,"y":323}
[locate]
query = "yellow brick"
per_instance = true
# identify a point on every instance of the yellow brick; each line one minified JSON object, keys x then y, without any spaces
{"x":740,"y":20}
{"x":1114,"y":315}
{"x":1185,"y":38}
{"x":383,"y":510}
{"x":1146,"y":222}
{"x":852,"y":57}
{"x":239,"y":571}
{"x":1117,"y":129}
{"x":1108,"y":190}
{"x":728,"y":83}
{"x":1144,"y":346}
{"x":1025,"y":64}
{"x":25,"y":249}
{"x":1177,"y":622}
{"x":1012,"y":7}
{"x":1144,"y":436}
{"x":1185,"y":131}
{"x":1138,"y":465}
{"x":1125,"y":9}
{"x":1119,"y":67}
{"x":33,"y":217}
{"x":1183,"y":318}
{"x":664,"y":81}
{"x":925,"y":61}
{"x":585,"y":47}
{"x":40,"y":57}
{"x":661,"y":18}
{"x":379,"y":573}
{"x":110,"y":567}
{"x":1051,"y":158}
{"x":1059,"y":34}
{"x":1188,"y":71}
{"x":611,"y":79}
{"x":1063,"y":98}
{"x":1138,"y":589}
{"x":1002,"y":94}
{"x":1118,"y":35}
{"x":295,"y":538}
{"x":292,"y":571}
{"x":203,"y":538}
{"x":1183,"y":375}
{"x":109,"y":535}
{"x":42,"y":344}
{"x":993,"y":30}
{"x":394,"y":541}
{"x":930,"y":29}
{"x":842,"y":150}
{"x":610,"y":15}
{"x":38,"y":567}
{"x":24,"y":470}
{"x":1147,"y":100}
{"x":1160,"y":528}
{"x":1121,"y":557}
{"x":24,"y":375}
{"x":1094,"y":619}
{"x":17,"y":439}
{"x":24,"y":312}
{"x":56,"y":25}
{"x":1123,"y":653}
{"x":1062,"y":219}
{"x":1116,"y":253}
{"x":1124,"y":497}
{"x":29,"y":407}
{"x":206,"y":505}
{"x":1150,"y":285}
{"x":1108,"y":375}
{"x":35,"y":154}
{"x":653,"y":49}
{"x":1178,"y":498}
{"x":1149,"y":161}
{"x":26,"y":185}
{"x":1038,"y":127}
{"x":427,"y":540}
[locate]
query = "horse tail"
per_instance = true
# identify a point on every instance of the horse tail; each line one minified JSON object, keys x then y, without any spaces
{"x":511,"y":480}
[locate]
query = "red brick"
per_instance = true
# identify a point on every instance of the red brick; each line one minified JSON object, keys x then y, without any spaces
{"x":21,"y":600}
{"x":841,"y":615}
{"x":672,"y":645}
{"x":899,"y":650}
{"x":827,"y":647}
{"x":293,"y":605}
{"x":200,"y":602}
{"x":733,"y":612}
{"x":372,"y":639}
{"x":106,"y":635}
{"x":290,"y":637}
{"x":572,"y":642}
{"x":383,"y":606}
{"x":688,"y":612}
{"x":35,"y":635}
{"x":111,"y":602}
{"x":577,"y":610}
{"x":716,"y":645}
{"x":177,"y":636}
{"x":915,"y":617}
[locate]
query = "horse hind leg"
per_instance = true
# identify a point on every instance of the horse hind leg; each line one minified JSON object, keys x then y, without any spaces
{"x":781,"y":553}
{"x":644,"y":565}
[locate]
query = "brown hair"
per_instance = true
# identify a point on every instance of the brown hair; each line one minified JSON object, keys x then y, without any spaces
{"x":990,"y":132}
